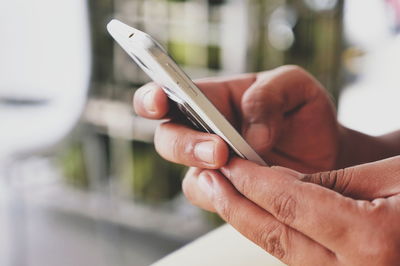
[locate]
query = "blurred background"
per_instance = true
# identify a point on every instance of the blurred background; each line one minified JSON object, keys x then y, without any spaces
{"x":80,"y":182}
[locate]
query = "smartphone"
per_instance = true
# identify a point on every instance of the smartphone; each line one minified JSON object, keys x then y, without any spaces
{"x":162,"y":69}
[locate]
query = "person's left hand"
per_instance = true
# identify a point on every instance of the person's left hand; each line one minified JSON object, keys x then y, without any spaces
{"x":344,"y":217}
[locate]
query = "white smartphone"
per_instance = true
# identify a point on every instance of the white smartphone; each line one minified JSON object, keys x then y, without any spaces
{"x":162,"y":69}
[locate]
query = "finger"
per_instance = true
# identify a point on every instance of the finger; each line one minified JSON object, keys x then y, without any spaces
{"x":303,"y":206}
{"x":150,"y":101}
{"x":191,"y":190}
{"x":367,"y":182}
{"x":226,"y":93}
{"x":274,"y":95}
{"x":183,"y":145}
{"x":259,"y":226}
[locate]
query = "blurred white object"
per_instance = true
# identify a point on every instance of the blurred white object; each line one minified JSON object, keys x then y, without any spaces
{"x":371,"y":103}
{"x":223,"y":246}
{"x":44,"y":71}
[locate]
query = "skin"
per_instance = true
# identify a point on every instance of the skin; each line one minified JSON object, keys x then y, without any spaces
{"x":290,"y":209}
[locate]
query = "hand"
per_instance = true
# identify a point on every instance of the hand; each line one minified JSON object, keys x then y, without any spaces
{"x":285,"y":115}
{"x":343,"y":217}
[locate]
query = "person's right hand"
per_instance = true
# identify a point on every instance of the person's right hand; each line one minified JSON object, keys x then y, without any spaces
{"x":284,"y":114}
{"x":340,"y":217}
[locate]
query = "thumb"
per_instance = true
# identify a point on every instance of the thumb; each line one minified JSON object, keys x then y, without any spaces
{"x":274,"y":94}
{"x":262,"y":119}
{"x":380,"y":179}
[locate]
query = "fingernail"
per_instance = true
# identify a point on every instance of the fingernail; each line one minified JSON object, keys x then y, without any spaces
{"x":205,"y":183}
{"x":204,"y":151}
{"x":148,"y":101}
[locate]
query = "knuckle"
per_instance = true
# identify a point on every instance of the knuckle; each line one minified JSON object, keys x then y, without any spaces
{"x":344,"y":179}
{"x":245,"y":185}
{"x":308,"y":82}
{"x":284,"y":208}
{"x":375,"y":211}
{"x":273,"y":240}
{"x":262,"y":101}
{"x":329,"y":179}
{"x":224,"y":208}
{"x":293,"y":69}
